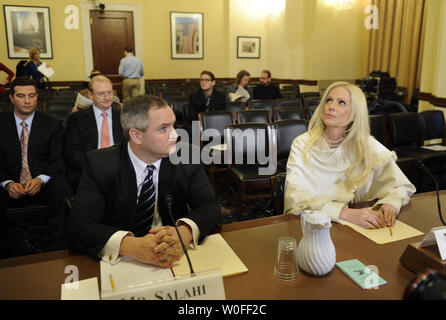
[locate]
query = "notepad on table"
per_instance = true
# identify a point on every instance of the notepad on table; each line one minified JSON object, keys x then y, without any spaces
{"x":213,"y":253}
{"x":130,"y":272}
{"x":400,"y":231}
{"x":80,"y":290}
{"x":364,"y":276}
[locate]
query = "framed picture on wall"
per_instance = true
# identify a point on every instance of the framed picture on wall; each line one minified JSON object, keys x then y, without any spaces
{"x":27,"y":28}
{"x":186,"y":35}
{"x":248,"y":47}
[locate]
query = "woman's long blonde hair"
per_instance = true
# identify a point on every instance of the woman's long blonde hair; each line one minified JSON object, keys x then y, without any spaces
{"x":356,"y":140}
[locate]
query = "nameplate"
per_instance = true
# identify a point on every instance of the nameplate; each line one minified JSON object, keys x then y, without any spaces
{"x":202,"y":286}
{"x":436,"y":236}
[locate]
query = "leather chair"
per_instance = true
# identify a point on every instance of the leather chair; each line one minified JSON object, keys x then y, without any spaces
{"x":278,"y":185}
{"x":378,"y":128}
{"x":288,"y":103}
{"x":177,"y":104}
{"x":261,"y":104}
{"x":432,"y":125}
{"x":286,"y":131}
{"x":235,"y":106}
{"x":287,"y":113}
{"x":250,"y":150}
{"x":217,"y":120}
{"x":258,"y":116}
{"x":405,"y":141}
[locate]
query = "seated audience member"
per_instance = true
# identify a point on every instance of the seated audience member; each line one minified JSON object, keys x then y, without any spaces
{"x":98,"y":126}
{"x":3,"y":83}
{"x":265,"y":90}
{"x":242,"y":93}
{"x":31,"y":163}
{"x":207,"y":98}
{"x":121,"y":208}
{"x":83,"y":101}
{"x":32,"y":66}
{"x":338,"y":162}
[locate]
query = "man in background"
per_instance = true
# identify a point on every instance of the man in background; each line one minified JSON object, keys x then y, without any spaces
{"x":265,"y":90}
{"x":96,"y":127}
{"x":207,"y":98}
{"x":31,"y":164}
{"x":132,"y":70}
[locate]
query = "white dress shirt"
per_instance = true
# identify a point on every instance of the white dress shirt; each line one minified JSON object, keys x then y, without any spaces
{"x":110,"y":252}
{"x":99,"y":119}
{"x":29,"y":122}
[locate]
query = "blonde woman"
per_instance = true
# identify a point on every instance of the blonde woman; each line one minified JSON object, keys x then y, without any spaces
{"x":337,"y":162}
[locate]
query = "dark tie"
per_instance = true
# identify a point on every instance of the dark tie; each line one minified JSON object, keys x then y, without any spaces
{"x":145,"y":206}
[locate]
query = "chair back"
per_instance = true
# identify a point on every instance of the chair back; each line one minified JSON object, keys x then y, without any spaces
{"x":286,"y":131}
{"x":378,"y":128}
{"x":288,"y":103}
{"x":405,"y":128}
{"x":432,"y":124}
{"x":258,"y":116}
{"x":218,"y":120}
{"x":177,"y":105}
{"x":261,"y":104}
{"x":249,"y":143}
{"x":288,"y":113}
{"x":235,"y":106}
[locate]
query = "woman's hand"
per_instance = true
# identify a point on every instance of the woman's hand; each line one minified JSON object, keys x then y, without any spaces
{"x":365,"y":217}
{"x":389,"y":213}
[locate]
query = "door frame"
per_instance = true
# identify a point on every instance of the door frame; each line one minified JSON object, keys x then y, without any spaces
{"x":86,"y":30}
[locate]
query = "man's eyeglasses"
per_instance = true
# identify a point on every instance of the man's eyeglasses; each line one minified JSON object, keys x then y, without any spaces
{"x":205,"y":80}
{"x":104,"y":94}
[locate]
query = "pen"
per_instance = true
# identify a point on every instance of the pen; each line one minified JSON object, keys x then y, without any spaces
{"x":390,"y":230}
{"x":111,"y":281}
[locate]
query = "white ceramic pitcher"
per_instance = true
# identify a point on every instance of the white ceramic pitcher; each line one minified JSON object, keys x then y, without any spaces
{"x":316,"y":253}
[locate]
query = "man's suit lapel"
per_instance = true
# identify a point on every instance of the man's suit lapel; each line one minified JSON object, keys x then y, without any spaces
{"x":127,"y":186}
{"x":166,"y":185}
{"x":91,"y":126}
{"x":11,"y":131}
{"x":117,"y":129}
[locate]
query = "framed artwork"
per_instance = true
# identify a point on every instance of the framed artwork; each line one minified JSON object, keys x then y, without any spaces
{"x":248,"y":47}
{"x":27,"y":28}
{"x":186,"y":35}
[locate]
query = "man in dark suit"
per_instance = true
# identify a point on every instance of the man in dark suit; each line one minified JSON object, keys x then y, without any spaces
{"x":265,"y":90}
{"x":121,"y":205}
{"x":31,"y":163}
{"x":95,"y":127}
{"x":206,"y":98}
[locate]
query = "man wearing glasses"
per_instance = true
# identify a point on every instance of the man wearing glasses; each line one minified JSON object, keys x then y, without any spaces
{"x":95,"y":127}
{"x":206,"y":98}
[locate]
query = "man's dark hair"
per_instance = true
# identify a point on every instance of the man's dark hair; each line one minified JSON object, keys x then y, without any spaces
{"x":22,"y":81}
{"x":128,"y":48}
{"x":210,"y":74}
{"x":267,"y":72}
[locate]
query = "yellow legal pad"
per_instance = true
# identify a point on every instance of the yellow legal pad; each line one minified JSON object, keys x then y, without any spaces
{"x":213,"y":253}
{"x":400,"y":231}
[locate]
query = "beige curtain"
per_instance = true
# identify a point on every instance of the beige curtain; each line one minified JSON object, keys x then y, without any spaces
{"x":397,"y":46}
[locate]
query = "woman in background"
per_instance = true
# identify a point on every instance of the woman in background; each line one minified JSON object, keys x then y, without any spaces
{"x":242,"y":93}
{"x":32,"y":66}
{"x":337,"y":162}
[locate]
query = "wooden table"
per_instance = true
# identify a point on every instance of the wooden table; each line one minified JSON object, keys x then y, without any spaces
{"x":255,"y":242}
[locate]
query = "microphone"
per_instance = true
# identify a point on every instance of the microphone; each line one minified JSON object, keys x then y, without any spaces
{"x":168,"y":199}
{"x":421,"y":166}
